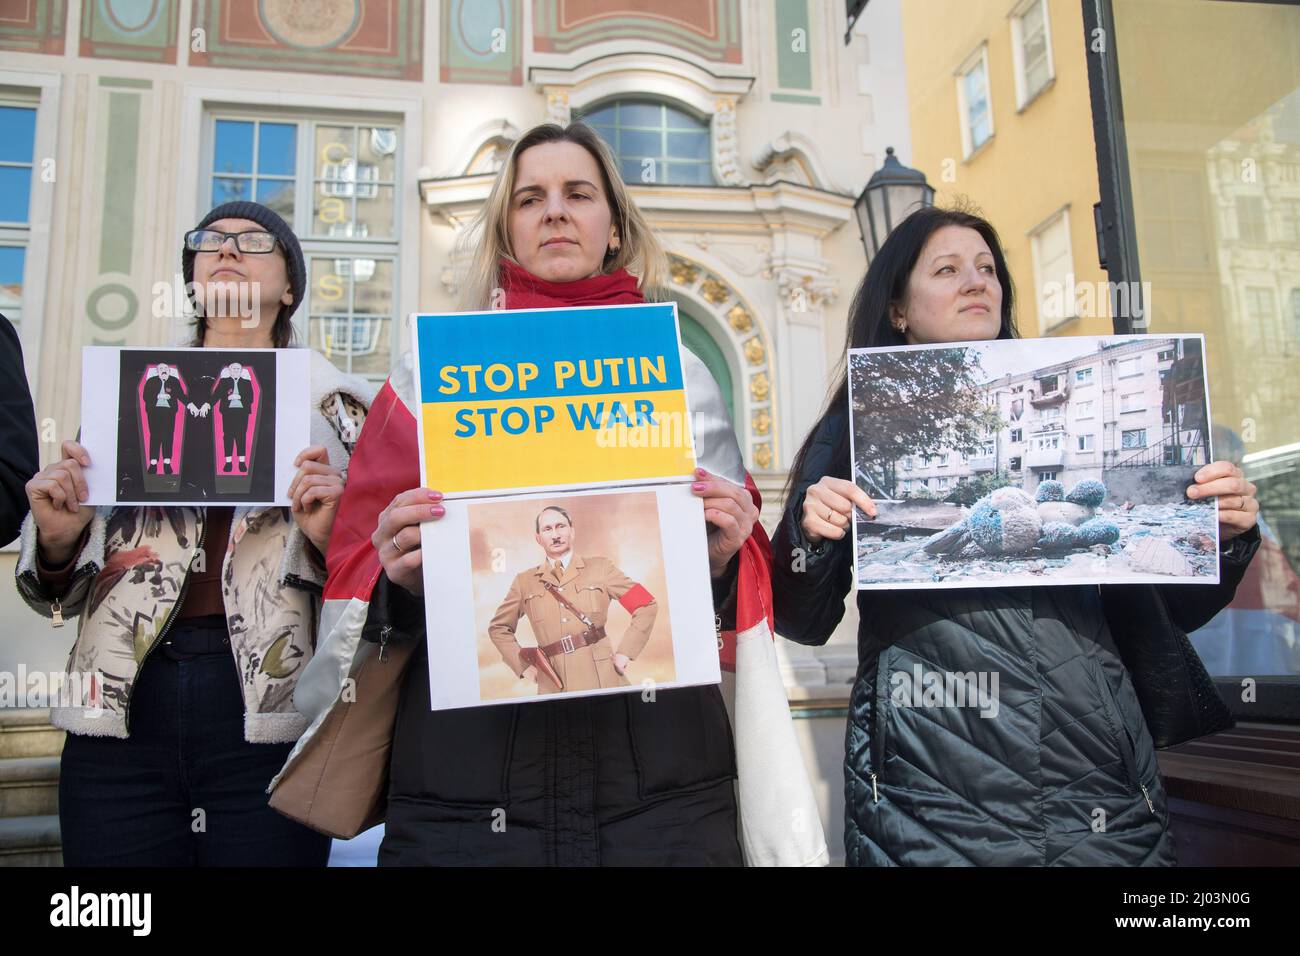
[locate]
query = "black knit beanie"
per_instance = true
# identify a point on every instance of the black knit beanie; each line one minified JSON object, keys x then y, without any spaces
{"x":271,"y":221}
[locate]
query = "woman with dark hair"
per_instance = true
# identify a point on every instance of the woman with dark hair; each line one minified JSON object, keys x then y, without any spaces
{"x":195,"y":622}
{"x":1063,"y":771}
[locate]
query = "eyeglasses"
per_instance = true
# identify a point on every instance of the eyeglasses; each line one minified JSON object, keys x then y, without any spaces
{"x":209,"y":240}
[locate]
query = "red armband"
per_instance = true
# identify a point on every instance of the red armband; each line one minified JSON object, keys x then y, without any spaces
{"x":636,"y":597}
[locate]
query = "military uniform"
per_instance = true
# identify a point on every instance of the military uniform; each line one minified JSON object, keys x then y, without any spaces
{"x":589,"y":584}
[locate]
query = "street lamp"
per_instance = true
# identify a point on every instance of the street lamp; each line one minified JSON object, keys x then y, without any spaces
{"x":893,"y":192}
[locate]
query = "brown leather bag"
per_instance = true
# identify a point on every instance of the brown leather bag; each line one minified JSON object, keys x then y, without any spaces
{"x":338,"y":784}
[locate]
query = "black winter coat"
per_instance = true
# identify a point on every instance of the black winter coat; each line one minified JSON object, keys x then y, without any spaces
{"x":20,"y":459}
{"x":615,"y":780}
{"x":1057,"y":769}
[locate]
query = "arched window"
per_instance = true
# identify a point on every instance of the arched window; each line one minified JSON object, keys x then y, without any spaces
{"x":654,"y":142}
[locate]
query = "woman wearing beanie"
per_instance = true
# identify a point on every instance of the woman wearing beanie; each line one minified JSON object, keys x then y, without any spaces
{"x":610,"y":780}
{"x":198,"y":621}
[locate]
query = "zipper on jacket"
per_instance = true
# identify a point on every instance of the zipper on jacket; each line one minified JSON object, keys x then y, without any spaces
{"x":383,"y":642}
{"x":56,"y":613}
{"x":881,"y":720}
{"x":171,"y":618}
{"x":1124,"y":740}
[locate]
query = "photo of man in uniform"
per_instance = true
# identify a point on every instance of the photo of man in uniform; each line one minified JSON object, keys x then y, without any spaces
{"x":566,"y":598}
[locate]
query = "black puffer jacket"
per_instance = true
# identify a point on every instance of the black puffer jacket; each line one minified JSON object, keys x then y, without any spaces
{"x":1058,"y":767}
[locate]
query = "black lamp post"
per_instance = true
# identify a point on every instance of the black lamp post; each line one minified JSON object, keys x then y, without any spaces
{"x":893,"y":192}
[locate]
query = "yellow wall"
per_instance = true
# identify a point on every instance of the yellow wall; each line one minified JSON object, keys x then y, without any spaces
{"x":1037,"y":160}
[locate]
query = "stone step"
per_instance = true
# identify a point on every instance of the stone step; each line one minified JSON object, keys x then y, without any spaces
{"x":30,"y":841}
{"x":26,"y":732}
{"x":29,"y":786}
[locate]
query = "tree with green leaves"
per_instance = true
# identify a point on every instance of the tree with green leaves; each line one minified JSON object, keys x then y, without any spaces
{"x":970,"y":490}
{"x":916,"y":402}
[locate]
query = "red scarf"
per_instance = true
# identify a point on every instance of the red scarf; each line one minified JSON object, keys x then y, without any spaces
{"x":386,"y":459}
{"x":525,"y":291}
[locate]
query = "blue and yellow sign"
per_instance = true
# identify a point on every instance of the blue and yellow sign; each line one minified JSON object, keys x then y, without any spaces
{"x":549,"y":398}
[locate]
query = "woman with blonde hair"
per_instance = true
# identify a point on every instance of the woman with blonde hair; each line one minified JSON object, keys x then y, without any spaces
{"x":615,"y":779}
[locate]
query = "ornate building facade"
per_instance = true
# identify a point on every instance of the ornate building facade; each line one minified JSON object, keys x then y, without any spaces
{"x":745,"y":129}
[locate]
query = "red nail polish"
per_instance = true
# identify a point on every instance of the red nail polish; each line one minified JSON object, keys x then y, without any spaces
{"x":698,"y":486}
{"x":438,"y":511}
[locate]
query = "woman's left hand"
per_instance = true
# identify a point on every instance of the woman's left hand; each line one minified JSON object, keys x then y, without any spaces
{"x":730,"y":510}
{"x":315,"y":493}
{"x":1238,"y":509}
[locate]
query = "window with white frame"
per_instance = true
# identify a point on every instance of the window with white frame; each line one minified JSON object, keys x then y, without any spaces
{"x":1085,"y":442}
{"x":17,"y":173}
{"x":1054,"y":270}
{"x":1133,"y":402}
{"x":974,"y":103}
{"x":1083,"y":410}
{"x":1083,"y":376}
{"x":1133,"y":438}
{"x":1031,"y":50}
{"x":1128,"y":367}
{"x":1047,"y":475}
{"x":334,"y":180}
{"x":1017,"y":435}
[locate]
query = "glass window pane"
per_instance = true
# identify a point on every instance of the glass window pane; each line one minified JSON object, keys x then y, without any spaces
{"x":1213,"y":246}
{"x":329,"y":288}
{"x":373,"y":286}
{"x":278,"y":194}
{"x":640,"y":114}
{"x":17,"y":134}
{"x":375,"y":211}
{"x":334,"y":207}
{"x":688,"y":145}
{"x":378,"y":151}
{"x":690,"y":174}
{"x":329,"y":335}
{"x":277,"y":149}
{"x":234,"y":147}
{"x":632,"y":143}
{"x":602,"y":115}
{"x":335,"y":145}
{"x":679,"y":119}
{"x":229,"y":189}
{"x":631,"y":171}
{"x":12,"y":259}
{"x":608,"y":135}
{"x":15,"y":193}
{"x":371,"y":345}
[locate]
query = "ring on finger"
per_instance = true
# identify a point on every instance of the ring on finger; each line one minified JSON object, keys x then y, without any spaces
{"x":400,"y":549}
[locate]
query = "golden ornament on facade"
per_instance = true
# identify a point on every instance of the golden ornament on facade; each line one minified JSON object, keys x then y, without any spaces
{"x":683,"y":272}
{"x":739,"y":319}
{"x":754,"y":351}
{"x":762,"y":422}
{"x":763,"y":455}
{"x":715,"y":291}
{"x":760,"y":387}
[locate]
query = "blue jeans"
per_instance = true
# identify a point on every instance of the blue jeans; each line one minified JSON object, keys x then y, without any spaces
{"x":186,"y":788}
